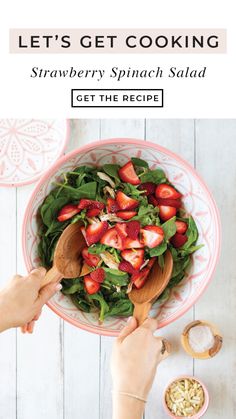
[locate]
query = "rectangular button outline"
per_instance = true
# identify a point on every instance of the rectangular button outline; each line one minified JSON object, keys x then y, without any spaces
{"x":118,"y":106}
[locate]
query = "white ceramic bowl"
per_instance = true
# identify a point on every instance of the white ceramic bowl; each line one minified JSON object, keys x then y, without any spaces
{"x":197,"y":201}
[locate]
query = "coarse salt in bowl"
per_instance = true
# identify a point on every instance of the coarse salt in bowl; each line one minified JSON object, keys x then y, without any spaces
{"x":197,"y":201}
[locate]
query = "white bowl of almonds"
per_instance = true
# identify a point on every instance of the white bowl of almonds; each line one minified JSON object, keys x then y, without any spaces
{"x":186,"y":397}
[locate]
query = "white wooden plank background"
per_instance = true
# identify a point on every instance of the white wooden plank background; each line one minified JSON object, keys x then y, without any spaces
{"x":61,"y":372}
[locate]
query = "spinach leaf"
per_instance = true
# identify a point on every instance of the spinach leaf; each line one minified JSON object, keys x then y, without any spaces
{"x":76,"y":285}
{"x":43,"y":252}
{"x":176,"y":280}
{"x":116,"y":277}
{"x":192,"y":234}
{"x":120,"y":308}
{"x":139,"y":162}
{"x":180,"y":265}
{"x":164,"y":296}
{"x":87,"y":190}
{"x":77,"y":177}
{"x":116,"y":254}
{"x":50,"y":209}
{"x":112,"y":171}
{"x":56,"y":227}
{"x":190,"y":250}
{"x":80,"y":217}
{"x":156,"y":176}
{"x":97,"y":248}
{"x":147,"y":215}
{"x":80,"y":302}
{"x":161,"y":261}
{"x":104,"y":307}
{"x":169,"y":228}
{"x":82,"y":170}
{"x":174,"y":252}
{"x":158,"y":250}
{"x":132,"y":191}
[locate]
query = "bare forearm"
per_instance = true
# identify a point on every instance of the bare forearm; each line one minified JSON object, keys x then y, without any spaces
{"x":4,"y":317}
{"x":125,"y":406}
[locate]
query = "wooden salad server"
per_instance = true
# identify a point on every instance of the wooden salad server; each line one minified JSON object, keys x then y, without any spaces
{"x":157,"y":281}
{"x":66,"y":260}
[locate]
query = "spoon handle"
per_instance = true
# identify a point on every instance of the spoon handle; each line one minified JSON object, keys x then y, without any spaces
{"x":141,"y":312}
{"x":53,"y":275}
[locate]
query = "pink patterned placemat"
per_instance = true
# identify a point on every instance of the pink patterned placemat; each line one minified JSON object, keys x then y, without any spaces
{"x":28,"y":147}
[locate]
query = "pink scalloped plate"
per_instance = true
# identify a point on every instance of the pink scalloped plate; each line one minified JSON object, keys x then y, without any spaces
{"x":28,"y":147}
{"x":197,"y":200}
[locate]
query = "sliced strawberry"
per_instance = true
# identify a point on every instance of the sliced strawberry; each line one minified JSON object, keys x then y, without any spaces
{"x":112,"y":238}
{"x":166,"y":191}
{"x":90,"y":204}
{"x":98,"y":275}
{"x":126,"y":215}
{"x":89,"y":258}
{"x":134,"y":256}
{"x":151,"y":262}
{"x":128,"y":174}
{"x":67,"y":212}
{"x":112,"y":205}
{"x":168,"y":202}
{"x":84,"y":203}
{"x":95,"y":231}
{"x":149,"y":187}
{"x":152,"y":236}
{"x":178,"y":240}
{"x":97,"y":204}
{"x":126,"y":266}
{"x":165,"y":213}
{"x":181,"y":227}
{"x":91,"y":286}
{"x":125,"y":202}
{"x":139,"y":278}
{"x":132,"y":244}
{"x":93,"y":212}
{"x":152,"y":200}
{"x":133,"y":229}
{"x":121,"y":229}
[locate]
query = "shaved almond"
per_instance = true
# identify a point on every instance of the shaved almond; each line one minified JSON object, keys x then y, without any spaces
{"x":111,"y":217}
{"x":107,"y":178}
{"x":109,"y":191}
{"x":86,"y":269}
{"x":109,"y":260}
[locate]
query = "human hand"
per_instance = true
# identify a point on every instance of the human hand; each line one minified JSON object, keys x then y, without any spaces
{"x":22,"y":299}
{"x":136,"y":355}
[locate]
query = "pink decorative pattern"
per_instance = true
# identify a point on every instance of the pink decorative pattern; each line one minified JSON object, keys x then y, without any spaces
{"x":197,"y":200}
{"x":28,"y":147}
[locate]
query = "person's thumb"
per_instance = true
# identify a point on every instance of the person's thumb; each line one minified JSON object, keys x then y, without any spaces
{"x":48,"y":291}
{"x":128,"y":329}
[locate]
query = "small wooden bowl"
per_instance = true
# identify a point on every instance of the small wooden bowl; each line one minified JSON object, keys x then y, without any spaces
{"x":210,"y":352}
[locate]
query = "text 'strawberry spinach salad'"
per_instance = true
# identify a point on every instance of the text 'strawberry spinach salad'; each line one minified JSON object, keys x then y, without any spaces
{"x":131,"y":215}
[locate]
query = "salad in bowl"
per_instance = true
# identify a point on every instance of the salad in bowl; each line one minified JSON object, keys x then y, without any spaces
{"x":130,"y":216}
{"x":135,"y":200}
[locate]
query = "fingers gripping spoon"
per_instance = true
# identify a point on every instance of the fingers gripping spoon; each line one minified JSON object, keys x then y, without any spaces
{"x":66,"y":260}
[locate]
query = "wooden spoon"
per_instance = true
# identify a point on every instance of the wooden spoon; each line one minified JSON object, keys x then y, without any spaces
{"x":66,"y":260}
{"x":156,"y":283}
